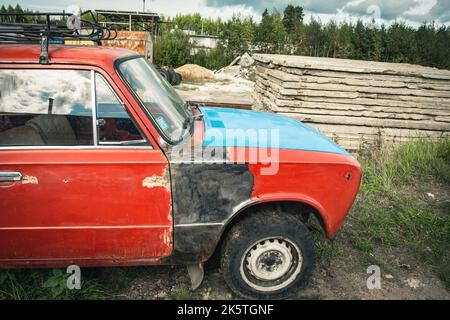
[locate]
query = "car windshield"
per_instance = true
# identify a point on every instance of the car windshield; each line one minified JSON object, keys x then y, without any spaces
{"x":162,"y":102}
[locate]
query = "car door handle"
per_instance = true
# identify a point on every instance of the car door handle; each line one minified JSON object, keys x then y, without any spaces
{"x":10,"y":176}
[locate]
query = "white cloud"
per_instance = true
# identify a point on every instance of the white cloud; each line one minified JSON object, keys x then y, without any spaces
{"x":422,"y":7}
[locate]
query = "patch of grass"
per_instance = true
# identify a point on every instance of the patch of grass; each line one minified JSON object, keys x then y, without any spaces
{"x":185,"y":294}
{"x":327,"y":250}
{"x":444,"y":275}
{"x":408,"y":227}
{"x":45,"y":284}
{"x":388,"y":211}
{"x":420,"y":159}
{"x":363,"y":245}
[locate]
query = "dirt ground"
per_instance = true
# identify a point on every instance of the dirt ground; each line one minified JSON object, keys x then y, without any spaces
{"x":344,"y":278}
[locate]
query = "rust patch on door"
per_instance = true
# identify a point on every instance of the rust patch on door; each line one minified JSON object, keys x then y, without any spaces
{"x":155,"y":181}
{"x":30,"y":180}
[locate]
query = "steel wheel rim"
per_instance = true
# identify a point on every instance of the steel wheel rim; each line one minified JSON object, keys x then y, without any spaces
{"x":271,"y":264}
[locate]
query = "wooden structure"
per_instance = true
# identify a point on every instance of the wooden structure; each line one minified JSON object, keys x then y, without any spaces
{"x":356,"y":102}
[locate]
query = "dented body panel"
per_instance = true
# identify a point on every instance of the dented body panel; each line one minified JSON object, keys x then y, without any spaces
{"x":127,"y":205}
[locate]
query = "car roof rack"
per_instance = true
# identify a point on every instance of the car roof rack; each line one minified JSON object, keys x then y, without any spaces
{"x":51,"y":28}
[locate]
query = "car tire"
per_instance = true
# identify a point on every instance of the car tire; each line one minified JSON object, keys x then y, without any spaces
{"x":177,"y":78}
{"x":268,"y":255}
{"x":165,"y":74}
{"x":173,"y":76}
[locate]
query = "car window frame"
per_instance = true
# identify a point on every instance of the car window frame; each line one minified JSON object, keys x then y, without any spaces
{"x":97,"y":132}
{"x":95,"y":145}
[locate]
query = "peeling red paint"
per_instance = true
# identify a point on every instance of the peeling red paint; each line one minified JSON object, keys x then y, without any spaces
{"x":30,"y":180}
{"x":155,"y":181}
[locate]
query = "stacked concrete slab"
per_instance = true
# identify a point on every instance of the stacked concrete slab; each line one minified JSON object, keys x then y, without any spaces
{"x":356,"y":102}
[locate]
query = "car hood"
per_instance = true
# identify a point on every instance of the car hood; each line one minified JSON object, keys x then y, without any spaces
{"x":226,"y":127}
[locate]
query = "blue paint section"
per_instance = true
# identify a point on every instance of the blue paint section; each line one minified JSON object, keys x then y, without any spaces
{"x":245,"y":128}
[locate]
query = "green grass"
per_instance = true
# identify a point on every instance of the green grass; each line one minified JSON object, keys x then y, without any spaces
{"x":412,"y":162}
{"x":327,"y":250}
{"x":185,"y":294}
{"x":45,"y":284}
{"x":389,"y":211}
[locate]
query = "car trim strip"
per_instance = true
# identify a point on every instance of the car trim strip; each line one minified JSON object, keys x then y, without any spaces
{"x":199,"y":224}
{"x":87,"y":227}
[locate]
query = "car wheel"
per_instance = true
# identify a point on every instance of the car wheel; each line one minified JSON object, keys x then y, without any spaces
{"x":268,"y":255}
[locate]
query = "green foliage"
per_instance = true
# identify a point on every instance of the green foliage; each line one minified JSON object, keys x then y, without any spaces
{"x":292,"y":18}
{"x":401,"y":45}
{"x":197,"y":23}
{"x":16,"y":9}
{"x":185,"y":294}
{"x":213,"y":59}
{"x":270,"y":34}
{"x":45,"y":284}
{"x":238,"y":36}
{"x":389,"y":212}
{"x":172,"y":49}
{"x":328,"y":251}
{"x":416,"y":160}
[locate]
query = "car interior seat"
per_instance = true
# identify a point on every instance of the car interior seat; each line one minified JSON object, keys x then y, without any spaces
{"x":41,"y":130}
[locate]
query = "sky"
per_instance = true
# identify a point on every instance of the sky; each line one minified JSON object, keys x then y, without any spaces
{"x":413,"y":12}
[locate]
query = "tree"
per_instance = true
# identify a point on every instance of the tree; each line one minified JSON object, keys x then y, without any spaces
{"x":401,"y":46}
{"x":441,"y":52}
{"x":344,"y":41}
{"x":360,"y":41}
{"x":270,"y":34}
{"x":331,"y":38}
{"x":292,"y":17}
{"x":238,"y":35}
{"x":314,"y":37}
{"x":172,"y":49}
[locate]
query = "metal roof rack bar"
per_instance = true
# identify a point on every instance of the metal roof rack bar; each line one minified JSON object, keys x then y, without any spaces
{"x":50,"y":28}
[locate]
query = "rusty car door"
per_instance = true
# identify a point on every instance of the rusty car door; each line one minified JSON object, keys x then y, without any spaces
{"x":80,"y":181}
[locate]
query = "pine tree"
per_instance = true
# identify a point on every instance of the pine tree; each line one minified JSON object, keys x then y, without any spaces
{"x":292,"y":17}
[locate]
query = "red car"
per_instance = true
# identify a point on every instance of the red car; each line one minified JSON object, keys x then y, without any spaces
{"x":103,"y":164}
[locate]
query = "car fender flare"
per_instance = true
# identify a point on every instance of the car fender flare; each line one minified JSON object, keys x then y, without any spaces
{"x":280,"y":197}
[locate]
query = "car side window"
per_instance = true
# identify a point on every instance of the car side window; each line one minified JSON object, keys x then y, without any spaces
{"x":45,"y":108}
{"x":115,"y":126}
